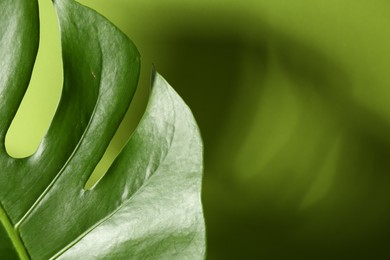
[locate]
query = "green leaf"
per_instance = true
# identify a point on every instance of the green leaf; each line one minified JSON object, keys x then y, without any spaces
{"x":147,"y":206}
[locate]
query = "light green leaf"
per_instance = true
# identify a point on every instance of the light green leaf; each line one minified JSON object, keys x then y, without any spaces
{"x":148,"y":204}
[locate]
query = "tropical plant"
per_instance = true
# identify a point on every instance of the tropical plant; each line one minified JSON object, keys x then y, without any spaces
{"x":147,"y":206}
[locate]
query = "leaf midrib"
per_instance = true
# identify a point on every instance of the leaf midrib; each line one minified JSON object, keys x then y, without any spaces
{"x":13,"y":235}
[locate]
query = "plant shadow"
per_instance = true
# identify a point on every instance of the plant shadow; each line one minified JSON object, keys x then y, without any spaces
{"x":290,"y":156}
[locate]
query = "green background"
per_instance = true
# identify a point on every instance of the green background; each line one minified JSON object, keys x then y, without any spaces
{"x":292,"y":99}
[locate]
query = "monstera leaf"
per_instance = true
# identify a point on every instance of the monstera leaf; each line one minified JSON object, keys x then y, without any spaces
{"x":147,"y":206}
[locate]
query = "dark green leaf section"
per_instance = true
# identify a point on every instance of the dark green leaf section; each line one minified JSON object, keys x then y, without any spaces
{"x":146,"y":207}
{"x":19,"y":36}
{"x":148,"y":204}
{"x":11,"y":245}
{"x":7,"y":249}
{"x":101,"y":68}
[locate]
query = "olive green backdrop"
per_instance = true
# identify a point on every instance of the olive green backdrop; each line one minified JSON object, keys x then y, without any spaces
{"x":293,"y":101}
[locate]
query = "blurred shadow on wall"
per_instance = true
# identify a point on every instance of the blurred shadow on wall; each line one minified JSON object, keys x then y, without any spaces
{"x":283,"y":140}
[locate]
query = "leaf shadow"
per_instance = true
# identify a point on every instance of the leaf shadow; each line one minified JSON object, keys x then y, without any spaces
{"x":213,"y":61}
{"x":225,"y":73}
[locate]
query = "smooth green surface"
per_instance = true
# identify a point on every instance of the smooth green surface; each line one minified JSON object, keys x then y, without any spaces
{"x":148,"y":204}
{"x":293,"y":101}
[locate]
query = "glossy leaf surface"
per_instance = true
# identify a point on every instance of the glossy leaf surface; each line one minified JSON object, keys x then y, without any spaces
{"x":148,"y":204}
